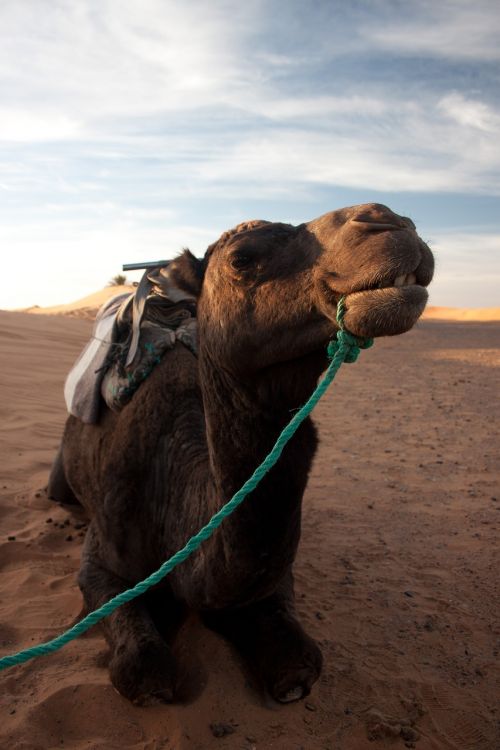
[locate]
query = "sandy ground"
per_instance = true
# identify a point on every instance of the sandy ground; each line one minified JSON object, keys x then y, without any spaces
{"x":397,"y":574}
{"x":462,"y":314}
{"x":85,"y":307}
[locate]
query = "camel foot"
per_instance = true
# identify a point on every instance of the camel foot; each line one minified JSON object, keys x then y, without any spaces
{"x":290,"y":676}
{"x":295,"y":694}
{"x":285,"y":660}
{"x":144,"y":674}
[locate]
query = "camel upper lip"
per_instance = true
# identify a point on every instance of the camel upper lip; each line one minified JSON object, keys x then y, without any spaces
{"x":403,"y":279}
{"x":396,"y":279}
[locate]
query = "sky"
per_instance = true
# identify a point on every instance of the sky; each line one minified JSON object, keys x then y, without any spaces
{"x":130,"y":129}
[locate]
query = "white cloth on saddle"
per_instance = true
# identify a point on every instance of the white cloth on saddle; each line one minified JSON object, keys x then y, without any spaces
{"x":83,"y":385}
{"x":130,"y":335}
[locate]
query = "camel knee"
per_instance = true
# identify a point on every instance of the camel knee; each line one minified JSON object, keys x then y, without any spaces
{"x":97,"y":584}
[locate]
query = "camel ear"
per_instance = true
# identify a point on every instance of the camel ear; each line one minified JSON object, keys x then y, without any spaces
{"x":187,"y":272}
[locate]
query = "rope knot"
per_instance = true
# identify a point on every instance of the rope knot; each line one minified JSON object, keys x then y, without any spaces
{"x":350,"y":344}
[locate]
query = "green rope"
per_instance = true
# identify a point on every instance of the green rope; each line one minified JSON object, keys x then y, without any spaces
{"x":344,"y":349}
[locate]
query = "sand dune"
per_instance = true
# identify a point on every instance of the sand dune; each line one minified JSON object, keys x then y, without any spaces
{"x":397,"y":573}
{"x":86,"y":307}
{"x":464,"y":314}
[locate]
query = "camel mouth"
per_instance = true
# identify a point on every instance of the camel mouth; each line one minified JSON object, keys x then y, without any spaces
{"x":399,"y":280}
{"x":386,"y":308}
{"x":410,"y":272}
{"x":387,"y":302}
{"x":385,"y":311}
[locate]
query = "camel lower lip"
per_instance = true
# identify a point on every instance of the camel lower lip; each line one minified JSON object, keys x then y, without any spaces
{"x":384,"y":312}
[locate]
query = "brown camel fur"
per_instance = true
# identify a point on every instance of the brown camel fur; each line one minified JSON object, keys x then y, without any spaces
{"x":153,"y":474}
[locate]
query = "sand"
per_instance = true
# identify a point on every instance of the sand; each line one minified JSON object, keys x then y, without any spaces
{"x":397,"y":573}
{"x":458,"y":313}
{"x":86,"y":307}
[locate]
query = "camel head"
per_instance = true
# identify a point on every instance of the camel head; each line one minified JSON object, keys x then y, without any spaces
{"x":268,"y":292}
{"x":377,"y":260}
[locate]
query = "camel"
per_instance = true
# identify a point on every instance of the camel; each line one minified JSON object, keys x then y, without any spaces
{"x":152,"y":475}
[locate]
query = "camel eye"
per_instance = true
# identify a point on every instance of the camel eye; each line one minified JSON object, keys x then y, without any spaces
{"x":241,"y":260}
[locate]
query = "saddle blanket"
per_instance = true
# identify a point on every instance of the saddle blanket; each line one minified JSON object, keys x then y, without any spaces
{"x":131,"y":334}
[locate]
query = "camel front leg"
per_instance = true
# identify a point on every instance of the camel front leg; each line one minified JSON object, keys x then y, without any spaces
{"x":273,"y":643}
{"x":142,"y":667}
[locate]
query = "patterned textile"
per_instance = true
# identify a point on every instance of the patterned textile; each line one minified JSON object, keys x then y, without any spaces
{"x":131,"y":334}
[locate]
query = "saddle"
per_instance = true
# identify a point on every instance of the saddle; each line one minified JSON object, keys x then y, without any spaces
{"x":131,"y":334}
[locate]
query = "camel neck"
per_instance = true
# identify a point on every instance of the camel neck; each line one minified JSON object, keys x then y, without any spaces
{"x":242,"y":420}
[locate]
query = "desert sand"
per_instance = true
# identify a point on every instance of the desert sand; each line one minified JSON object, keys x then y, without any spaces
{"x":456,"y":313}
{"x":85,"y":307}
{"x":397,"y":573}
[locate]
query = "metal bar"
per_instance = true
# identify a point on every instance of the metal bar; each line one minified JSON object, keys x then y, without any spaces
{"x":148,"y":264}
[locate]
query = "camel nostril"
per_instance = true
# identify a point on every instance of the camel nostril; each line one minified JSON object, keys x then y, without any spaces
{"x":374,"y":226}
{"x":408,"y":222}
{"x":377,"y":217}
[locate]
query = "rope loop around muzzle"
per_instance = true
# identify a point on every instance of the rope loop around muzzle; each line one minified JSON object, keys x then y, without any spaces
{"x":350,"y":344}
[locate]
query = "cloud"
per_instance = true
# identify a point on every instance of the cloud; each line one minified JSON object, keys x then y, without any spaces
{"x":194,"y":88}
{"x":403,"y":146}
{"x":300,"y":108}
{"x":18,"y":125}
{"x":467,"y":268}
{"x":199,"y":83}
{"x":464,"y":250}
{"x":471,"y":113}
{"x":149,"y":57}
{"x":452,"y":29}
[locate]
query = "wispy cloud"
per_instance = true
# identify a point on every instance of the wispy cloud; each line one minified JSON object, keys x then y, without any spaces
{"x":470,"y":113}
{"x":27,"y":126}
{"x":180,"y":79}
{"x":100,"y":59}
{"x":451,"y":29}
{"x":467,"y":268}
